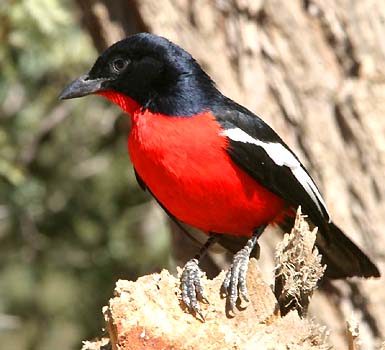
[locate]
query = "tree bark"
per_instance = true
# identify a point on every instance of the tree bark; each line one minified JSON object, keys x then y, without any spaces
{"x":147,"y":315}
{"x":313,"y":69}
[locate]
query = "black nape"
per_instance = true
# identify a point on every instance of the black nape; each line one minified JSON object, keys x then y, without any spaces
{"x":158,"y":74}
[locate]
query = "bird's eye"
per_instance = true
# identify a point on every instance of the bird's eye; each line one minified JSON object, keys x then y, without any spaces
{"x":118,"y":65}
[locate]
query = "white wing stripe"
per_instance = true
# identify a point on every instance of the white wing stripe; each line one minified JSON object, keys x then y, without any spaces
{"x":281,"y":156}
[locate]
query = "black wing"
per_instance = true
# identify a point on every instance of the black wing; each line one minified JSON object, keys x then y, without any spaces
{"x":140,"y":181}
{"x":280,"y":171}
{"x":258,"y":150}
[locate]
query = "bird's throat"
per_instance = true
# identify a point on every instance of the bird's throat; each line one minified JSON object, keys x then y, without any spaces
{"x":123,"y":101}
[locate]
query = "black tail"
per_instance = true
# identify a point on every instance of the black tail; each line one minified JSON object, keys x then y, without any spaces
{"x":342,"y":257}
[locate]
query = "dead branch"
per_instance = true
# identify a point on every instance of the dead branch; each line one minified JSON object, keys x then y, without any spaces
{"x":298,"y":267}
{"x":148,"y":314}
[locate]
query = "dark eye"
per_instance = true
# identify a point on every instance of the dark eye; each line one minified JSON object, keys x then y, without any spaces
{"x":119,"y":64}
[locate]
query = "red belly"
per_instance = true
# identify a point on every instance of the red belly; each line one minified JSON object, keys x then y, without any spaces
{"x":184,"y":163}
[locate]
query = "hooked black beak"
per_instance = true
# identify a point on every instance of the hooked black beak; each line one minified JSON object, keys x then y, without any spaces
{"x":81,"y":87}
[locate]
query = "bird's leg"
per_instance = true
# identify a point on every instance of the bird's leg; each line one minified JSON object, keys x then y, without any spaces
{"x":234,"y":284}
{"x":191,"y":285}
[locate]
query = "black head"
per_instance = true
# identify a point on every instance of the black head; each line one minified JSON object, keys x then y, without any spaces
{"x":154,"y":72}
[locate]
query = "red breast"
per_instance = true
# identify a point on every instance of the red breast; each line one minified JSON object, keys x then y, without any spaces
{"x":183,"y":162}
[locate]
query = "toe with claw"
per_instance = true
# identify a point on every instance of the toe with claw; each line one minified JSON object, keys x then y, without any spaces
{"x":191,"y":287}
{"x":234,"y":284}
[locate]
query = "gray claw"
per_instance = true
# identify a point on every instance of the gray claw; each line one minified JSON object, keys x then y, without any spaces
{"x":234,"y":284}
{"x":192,"y":288}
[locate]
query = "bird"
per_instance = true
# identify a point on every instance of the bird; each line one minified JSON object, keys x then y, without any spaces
{"x":209,"y":162}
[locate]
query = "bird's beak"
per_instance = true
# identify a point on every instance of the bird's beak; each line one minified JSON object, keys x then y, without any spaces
{"x":81,"y":87}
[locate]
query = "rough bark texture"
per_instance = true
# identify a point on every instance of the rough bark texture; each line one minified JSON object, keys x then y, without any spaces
{"x":298,"y":267}
{"x":314,"y":70}
{"x":147,"y":315}
{"x":169,"y":327}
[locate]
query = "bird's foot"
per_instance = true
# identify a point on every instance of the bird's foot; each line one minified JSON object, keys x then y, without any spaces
{"x":234,"y":284}
{"x":191,"y":286}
